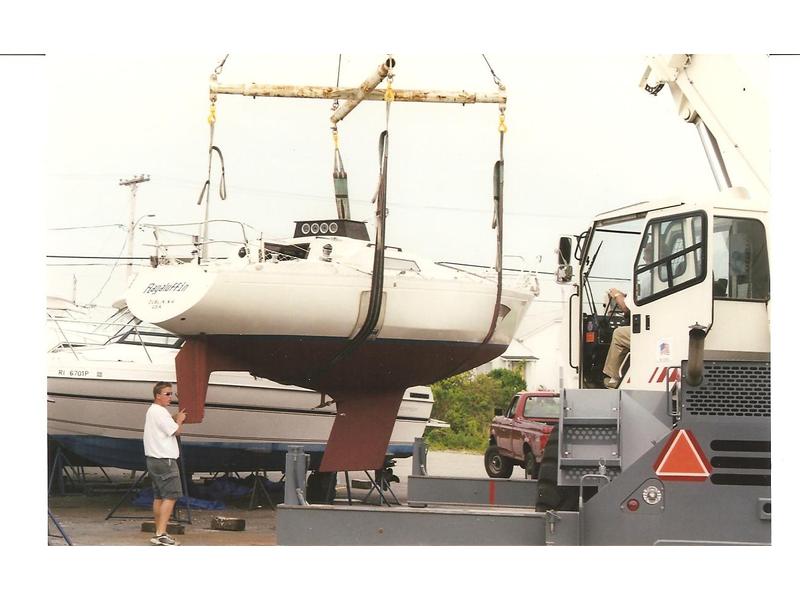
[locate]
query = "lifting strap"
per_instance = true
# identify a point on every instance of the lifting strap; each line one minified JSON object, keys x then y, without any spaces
{"x":376,"y":287}
{"x":340,"y":180}
{"x":497,"y":224}
{"x":223,"y":192}
{"x":212,"y":120}
{"x":339,"y":174}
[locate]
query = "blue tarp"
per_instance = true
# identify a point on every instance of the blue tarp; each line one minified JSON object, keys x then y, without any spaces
{"x":211,"y":494}
{"x":144,"y":499}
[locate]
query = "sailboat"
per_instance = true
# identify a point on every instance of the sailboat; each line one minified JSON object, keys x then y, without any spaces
{"x":332,"y":310}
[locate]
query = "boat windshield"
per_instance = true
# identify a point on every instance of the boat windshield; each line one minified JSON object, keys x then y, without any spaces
{"x":124,"y":328}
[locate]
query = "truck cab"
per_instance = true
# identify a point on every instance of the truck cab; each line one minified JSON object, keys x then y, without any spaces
{"x":518,"y":434}
{"x":681,"y":264}
{"x":679,"y":291}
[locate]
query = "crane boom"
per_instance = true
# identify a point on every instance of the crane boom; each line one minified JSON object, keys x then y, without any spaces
{"x":727,"y":95}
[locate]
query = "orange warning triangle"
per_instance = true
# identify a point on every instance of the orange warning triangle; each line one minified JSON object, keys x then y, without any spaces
{"x":682,"y":459}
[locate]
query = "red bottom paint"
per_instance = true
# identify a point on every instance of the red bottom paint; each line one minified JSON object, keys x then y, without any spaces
{"x":367,"y":384}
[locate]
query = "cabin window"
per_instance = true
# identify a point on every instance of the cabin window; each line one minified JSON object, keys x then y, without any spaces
{"x":740,"y":267}
{"x":281,"y":252}
{"x":149,"y":335}
{"x":542,"y":407}
{"x":400,"y":264}
{"x":671,"y":256}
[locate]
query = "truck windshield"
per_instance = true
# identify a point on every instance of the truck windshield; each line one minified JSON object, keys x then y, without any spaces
{"x":612,"y":249}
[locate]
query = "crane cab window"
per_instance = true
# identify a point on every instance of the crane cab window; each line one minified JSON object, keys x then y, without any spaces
{"x":671,"y":256}
{"x":741,"y":269}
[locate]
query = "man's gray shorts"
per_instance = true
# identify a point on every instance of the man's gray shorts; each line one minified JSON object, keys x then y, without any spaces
{"x":164,"y":476}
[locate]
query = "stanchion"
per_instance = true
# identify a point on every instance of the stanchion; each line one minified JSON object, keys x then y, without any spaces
{"x":258,"y":485}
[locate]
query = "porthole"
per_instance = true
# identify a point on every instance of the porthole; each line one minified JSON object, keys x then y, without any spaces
{"x":306,"y":228}
{"x":334,"y":227}
{"x":315,"y":228}
{"x":323,"y":228}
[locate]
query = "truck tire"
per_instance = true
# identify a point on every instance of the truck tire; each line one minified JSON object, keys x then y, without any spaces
{"x":551,"y":496}
{"x":530,"y":464}
{"x":497,"y":466}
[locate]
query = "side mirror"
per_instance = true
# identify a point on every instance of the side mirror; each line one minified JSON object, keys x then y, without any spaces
{"x":564,"y":271}
{"x":498,"y":412}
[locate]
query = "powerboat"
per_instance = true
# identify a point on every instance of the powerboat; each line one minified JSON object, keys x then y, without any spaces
{"x":97,"y":396}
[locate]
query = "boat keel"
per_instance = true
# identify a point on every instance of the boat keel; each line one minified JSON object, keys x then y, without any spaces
{"x":194,"y":364}
{"x":362,"y":429}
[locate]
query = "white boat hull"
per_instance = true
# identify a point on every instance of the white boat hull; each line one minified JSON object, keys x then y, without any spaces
{"x":319,"y":301}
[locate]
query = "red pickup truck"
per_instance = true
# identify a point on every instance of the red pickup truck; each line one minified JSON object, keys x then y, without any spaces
{"x":518,"y":435}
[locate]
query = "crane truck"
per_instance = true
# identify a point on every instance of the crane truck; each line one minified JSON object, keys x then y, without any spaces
{"x":679,"y":450}
{"x":672,"y":447}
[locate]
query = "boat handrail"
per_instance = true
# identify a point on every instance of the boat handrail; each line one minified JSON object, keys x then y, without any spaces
{"x":521,"y":277}
{"x":525,"y":273}
{"x":453,"y":265}
{"x":196,"y":242}
{"x":101,"y":335}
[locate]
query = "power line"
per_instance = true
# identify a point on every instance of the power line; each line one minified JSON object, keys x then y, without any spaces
{"x":80,"y":257}
{"x":117,"y":225}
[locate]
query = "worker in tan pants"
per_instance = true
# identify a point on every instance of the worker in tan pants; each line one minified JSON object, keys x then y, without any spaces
{"x":620,"y":344}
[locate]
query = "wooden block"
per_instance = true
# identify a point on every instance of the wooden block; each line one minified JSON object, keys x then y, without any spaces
{"x":227,"y":524}
{"x":172,"y":528}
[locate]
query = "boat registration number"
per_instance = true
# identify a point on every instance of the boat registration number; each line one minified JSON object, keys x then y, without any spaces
{"x":73,"y":373}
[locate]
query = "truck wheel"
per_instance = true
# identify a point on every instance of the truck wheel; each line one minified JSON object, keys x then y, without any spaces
{"x":497,"y":465}
{"x":551,"y":496}
{"x":531,"y":466}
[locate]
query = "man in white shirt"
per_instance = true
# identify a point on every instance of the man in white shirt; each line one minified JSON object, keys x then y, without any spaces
{"x":161,"y":456}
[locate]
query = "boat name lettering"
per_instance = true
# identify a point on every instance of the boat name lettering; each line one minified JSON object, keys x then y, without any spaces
{"x":178,"y":286}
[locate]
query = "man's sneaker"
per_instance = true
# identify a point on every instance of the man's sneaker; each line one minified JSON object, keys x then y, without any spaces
{"x":167,"y":540}
{"x":164,"y":540}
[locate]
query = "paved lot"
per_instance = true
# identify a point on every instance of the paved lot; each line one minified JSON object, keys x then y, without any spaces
{"x":83,"y":516}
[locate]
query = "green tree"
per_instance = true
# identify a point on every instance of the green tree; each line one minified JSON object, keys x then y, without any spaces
{"x":511,"y":382}
{"x":467,"y":403}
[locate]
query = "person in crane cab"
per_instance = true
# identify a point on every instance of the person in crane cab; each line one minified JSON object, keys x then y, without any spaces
{"x":621,"y":338}
{"x":620,"y":343}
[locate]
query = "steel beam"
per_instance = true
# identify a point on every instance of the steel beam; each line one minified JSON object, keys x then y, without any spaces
{"x":424,"y":490}
{"x":333,"y":93}
{"x":322,"y":525}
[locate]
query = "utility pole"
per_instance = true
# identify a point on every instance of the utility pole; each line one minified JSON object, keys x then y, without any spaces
{"x":133,"y":184}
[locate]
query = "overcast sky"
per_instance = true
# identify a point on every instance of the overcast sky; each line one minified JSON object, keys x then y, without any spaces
{"x":582,"y":138}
